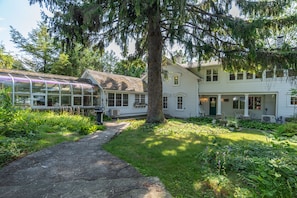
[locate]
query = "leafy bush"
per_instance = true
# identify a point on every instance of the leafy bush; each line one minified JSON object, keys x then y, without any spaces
{"x":254,"y":124}
{"x":201,"y":120}
{"x":268,"y":169}
{"x":288,"y":129}
{"x":26,"y":130}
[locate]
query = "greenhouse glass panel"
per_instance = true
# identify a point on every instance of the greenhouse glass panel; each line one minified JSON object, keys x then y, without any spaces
{"x":66,"y":100}
{"x":77,"y":100}
{"x":22,"y":85}
{"x":39,"y":100}
{"x":87,"y":100}
{"x":65,"y":89}
{"x":38,"y":86}
{"x":77,"y":89}
{"x":22,"y":99}
{"x":5,"y":81}
{"x":53,"y":100}
{"x":53,"y":88}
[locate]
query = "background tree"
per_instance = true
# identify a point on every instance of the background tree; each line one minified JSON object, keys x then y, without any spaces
{"x":130,"y":67}
{"x":6,"y":60}
{"x":204,"y":28}
{"x":39,"y":46}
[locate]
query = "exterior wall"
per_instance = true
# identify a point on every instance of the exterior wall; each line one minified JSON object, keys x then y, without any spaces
{"x":187,"y":88}
{"x":274,"y":92}
{"x":122,"y":111}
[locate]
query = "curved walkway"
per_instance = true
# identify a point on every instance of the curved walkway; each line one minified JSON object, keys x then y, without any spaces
{"x":78,"y":169}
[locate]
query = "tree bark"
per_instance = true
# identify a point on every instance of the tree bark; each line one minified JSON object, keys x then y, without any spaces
{"x":155,"y":108}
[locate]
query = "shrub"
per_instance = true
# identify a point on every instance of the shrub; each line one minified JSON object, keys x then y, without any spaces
{"x":201,"y":120}
{"x":254,"y":124}
{"x":288,"y":129}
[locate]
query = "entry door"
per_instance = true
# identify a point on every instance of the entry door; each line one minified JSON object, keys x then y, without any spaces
{"x":212,"y":106}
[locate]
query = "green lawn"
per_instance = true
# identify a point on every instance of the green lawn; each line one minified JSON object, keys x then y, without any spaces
{"x":201,"y":160}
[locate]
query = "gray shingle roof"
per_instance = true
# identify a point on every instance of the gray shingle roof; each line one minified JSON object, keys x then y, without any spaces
{"x":117,"y":82}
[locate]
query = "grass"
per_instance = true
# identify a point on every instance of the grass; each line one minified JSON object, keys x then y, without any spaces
{"x":194,"y":160}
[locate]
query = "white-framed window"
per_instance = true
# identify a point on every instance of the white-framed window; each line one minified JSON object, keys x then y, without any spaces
{"x":117,"y":99}
{"x":255,"y":102}
{"x":139,"y":99}
{"x":165,"y":102}
{"x":249,"y":75}
{"x":212,"y":75}
{"x":179,"y":102}
{"x":293,"y":100}
{"x":176,"y":79}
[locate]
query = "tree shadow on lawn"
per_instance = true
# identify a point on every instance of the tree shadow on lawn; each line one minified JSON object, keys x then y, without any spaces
{"x":188,"y":162}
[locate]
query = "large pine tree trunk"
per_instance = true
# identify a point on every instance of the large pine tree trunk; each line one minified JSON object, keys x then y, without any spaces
{"x":155,"y":110}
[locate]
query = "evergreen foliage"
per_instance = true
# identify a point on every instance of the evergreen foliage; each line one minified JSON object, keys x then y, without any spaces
{"x":206,"y":29}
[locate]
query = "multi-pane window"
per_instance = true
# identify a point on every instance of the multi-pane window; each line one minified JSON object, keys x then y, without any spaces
{"x":175,"y":80}
{"x":238,"y":103}
{"x":254,"y":103}
{"x":139,"y":99}
{"x":117,"y":99}
{"x":239,"y":76}
{"x":292,"y":72}
{"x":249,"y":75}
{"x":165,"y":102}
{"x":110,"y":100}
{"x":125,"y":100}
{"x":231,"y":76}
{"x":212,"y":75}
{"x":279,"y":73}
{"x":258,"y":74}
{"x":269,"y":73}
{"x":179,"y":102}
{"x":293,"y":100}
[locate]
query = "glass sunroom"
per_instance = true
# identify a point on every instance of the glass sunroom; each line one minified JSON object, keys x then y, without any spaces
{"x":47,"y":91}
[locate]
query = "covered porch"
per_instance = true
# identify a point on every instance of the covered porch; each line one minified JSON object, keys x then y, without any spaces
{"x":239,"y":105}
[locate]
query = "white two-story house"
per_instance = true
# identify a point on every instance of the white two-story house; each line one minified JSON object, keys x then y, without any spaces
{"x":262,"y":95}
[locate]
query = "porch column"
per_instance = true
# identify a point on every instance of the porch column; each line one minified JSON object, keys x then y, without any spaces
{"x":219,"y":110}
{"x":246,"y":105}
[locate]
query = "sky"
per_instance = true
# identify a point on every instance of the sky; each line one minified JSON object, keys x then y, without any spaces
{"x":20,"y":15}
{"x":24,"y":18}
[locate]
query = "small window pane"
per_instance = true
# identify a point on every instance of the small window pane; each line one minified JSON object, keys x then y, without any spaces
{"x":269,"y":74}
{"x":294,"y":100}
{"x":279,"y":73}
{"x":77,"y":100}
{"x":87,"y":100}
{"x":176,"y":80}
{"x":53,"y":88}
{"x":239,"y":76}
{"x":232,"y":76}
{"x":22,"y":100}
{"x":110,"y":99}
{"x":77,"y":89}
{"x":118,"y":100}
{"x":258,"y":103}
{"x":66,"y":100}
{"x":179,"y":102}
{"x":38,"y":87}
{"x":249,"y":75}
{"x":125,"y":100}
{"x":22,"y":85}
{"x":215,"y":75}
{"x":165,"y":102}
{"x":38,"y":100}
{"x":258,"y":75}
{"x":53,"y":100}
{"x":65,"y":89}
